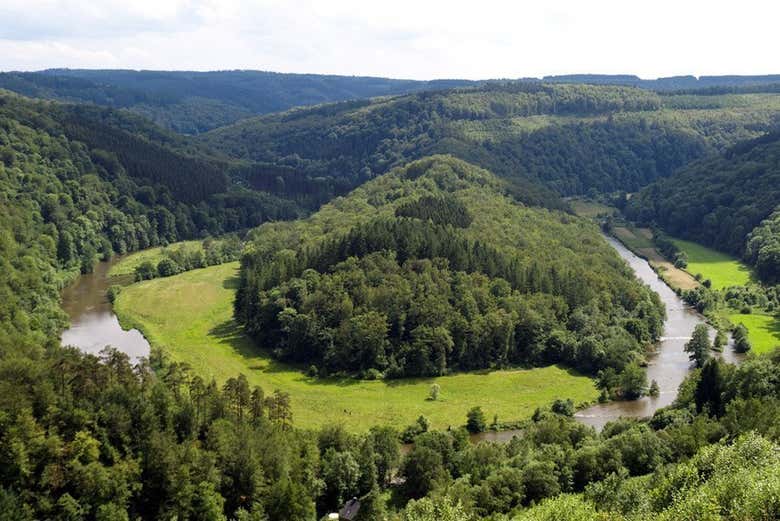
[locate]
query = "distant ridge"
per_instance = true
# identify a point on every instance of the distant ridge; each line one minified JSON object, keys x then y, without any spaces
{"x":192,"y":102}
{"x":668,"y":83}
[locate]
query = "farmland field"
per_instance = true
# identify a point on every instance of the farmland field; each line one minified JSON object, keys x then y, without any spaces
{"x":189,"y":316}
{"x":722,"y":269}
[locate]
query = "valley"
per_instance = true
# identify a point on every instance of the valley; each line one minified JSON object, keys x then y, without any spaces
{"x":225,"y":298}
{"x":214,"y":346}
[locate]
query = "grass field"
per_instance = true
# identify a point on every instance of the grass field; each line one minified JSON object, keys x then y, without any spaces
{"x":189,"y":316}
{"x":764,"y":331}
{"x":722,"y":269}
{"x":127,"y":265}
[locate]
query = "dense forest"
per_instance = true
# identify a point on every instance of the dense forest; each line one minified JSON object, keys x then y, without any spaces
{"x":434,"y":265}
{"x":550,"y":140}
{"x":194,"y":102}
{"x":385,"y":290}
{"x":729,"y":202}
{"x":74,"y":189}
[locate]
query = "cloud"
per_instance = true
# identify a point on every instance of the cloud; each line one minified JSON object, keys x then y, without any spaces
{"x":404,"y":38}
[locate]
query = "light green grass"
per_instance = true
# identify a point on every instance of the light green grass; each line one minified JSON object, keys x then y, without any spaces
{"x":722,"y":269}
{"x":764,"y":331}
{"x":127,"y":265}
{"x":189,"y":316}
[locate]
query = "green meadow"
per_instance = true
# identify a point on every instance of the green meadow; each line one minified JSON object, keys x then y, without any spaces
{"x":190,"y":317}
{"x":764,"y":331}
{"x":722,"y":269}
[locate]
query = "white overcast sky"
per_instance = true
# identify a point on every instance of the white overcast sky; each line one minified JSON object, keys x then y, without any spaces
{"x":418,"y":39}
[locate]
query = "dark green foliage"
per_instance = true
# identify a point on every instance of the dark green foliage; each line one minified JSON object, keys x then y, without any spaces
{"x":193,"y":102}
{"x":440,"y":210}
{"x":564,"y":407}
{"x":726,"y":202}
{"x":405,"y":297}
{"x":676,"y":84}
{"x":654,"y":390}
{"x":167,"y":267}
{"x":763,"y":248}
{"x":669,"y":249}
{"x":424,"y":470}
{"x":698,"y":347}
{"x":709,"y":390}
{"x":86,"y":437}
{"x":145,"y":271}
{"x":575,"y":158}
{"x":475,"y":421}
{"x":633,"y":382}
{"x":741,"y":340}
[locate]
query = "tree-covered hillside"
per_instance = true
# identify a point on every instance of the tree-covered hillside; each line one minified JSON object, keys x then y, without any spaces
{"x":194,"y":102}
{"x":76,"y":187}
{"x":371,"y":286}
{"x":549,"y":140}
{"x":433,"y":267}
{"x":726,"y":202}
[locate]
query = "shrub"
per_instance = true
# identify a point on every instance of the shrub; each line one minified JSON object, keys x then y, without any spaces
{"x":564,"y":407}
{"x":475,"y":421}
{"x":145,"y":271}
{"x":167,"y":267}
{"x":113,"y":292}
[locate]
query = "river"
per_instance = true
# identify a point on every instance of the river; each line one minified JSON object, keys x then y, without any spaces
{"x":94,"y":326}
{"x":668,"y":364}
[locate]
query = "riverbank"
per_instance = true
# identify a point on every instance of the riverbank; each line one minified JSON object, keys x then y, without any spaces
{"x":640,"y":242}
{"x":93,"y":324}
{"x":704,"y":264}
{"x":215,"y":347}
{"x":668,"y":364}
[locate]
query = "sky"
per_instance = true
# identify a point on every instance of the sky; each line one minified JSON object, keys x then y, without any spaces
{"x":419,"y":39}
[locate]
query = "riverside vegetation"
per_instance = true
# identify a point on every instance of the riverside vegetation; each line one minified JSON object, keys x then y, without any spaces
{"x":93,"y":437}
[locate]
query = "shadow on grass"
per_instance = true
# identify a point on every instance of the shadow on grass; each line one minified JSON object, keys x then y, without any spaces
{"x":258,"y":359}
{"x":232,"y":334}
{"x":231,"y":282}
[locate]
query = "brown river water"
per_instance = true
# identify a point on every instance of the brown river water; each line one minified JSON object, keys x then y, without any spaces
{"x":668,"y":364}
{"x":94,"y":326}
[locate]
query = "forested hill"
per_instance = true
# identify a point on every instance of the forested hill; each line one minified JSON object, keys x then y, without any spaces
{"x":193,"y":102}
{"x":430,"y":269}
{"x":549,"y":140}
{"x":82,"y":183}
{"x":722,"y":202}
